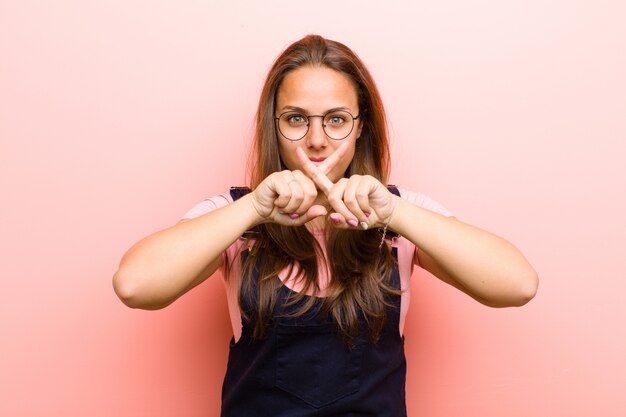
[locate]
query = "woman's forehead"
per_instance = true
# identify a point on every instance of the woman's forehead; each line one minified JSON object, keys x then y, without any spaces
{"x":316,"y":89}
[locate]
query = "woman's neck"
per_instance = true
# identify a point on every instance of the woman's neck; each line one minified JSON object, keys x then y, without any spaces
{"x":319,"y":223}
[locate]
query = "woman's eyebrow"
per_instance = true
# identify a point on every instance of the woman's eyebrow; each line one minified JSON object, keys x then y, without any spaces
{"x":301,"y":110}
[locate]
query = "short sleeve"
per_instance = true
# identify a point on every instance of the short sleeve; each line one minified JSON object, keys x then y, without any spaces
{"x":425,"y":202}
{"x":207,"y":206}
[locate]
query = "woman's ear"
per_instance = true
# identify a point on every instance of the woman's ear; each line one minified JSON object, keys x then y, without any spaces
{"x":359,"y":129}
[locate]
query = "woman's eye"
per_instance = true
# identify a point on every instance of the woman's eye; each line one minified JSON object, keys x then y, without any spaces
{"x":296,"y":119}
{"x":336,"y":120}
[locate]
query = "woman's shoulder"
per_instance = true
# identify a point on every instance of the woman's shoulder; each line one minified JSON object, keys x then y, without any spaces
{"x":208,"y":204}
{"x":424,"y":201}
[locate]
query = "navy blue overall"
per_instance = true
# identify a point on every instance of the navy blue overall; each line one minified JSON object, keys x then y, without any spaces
{"x":303,"y":368}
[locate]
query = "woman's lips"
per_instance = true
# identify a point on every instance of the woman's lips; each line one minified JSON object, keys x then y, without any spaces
{"x":318,"y":160}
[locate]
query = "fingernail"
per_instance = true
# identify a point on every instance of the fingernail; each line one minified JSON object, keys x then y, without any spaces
{"x":335,"y":220}
{"x":353,"y":223}
{"x":294,"y":216}
{"x":364,"y":225}
{"x":367,"y":213}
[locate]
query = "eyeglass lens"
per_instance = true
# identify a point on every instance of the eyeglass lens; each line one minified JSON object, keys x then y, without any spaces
{"x":337,"y":124}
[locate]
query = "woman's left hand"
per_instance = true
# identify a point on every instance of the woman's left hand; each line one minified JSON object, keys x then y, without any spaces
{"x":360,"y":201}
{"x":483,"y":265}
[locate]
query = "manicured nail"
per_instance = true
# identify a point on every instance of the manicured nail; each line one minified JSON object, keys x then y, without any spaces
{"x":353,"y":223}
{"x":335,"y":219}
{"x":294,"y":216}
{"x":367,"y":213}
{"x":364,"y":225}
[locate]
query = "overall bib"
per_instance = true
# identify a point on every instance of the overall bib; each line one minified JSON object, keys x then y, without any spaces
{"x":303,"y":368}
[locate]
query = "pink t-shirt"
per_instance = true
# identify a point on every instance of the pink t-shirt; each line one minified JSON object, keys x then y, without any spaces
{"x":231,"y":266}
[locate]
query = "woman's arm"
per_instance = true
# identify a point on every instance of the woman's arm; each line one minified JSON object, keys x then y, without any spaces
{"x":485,"y":266}
{"x":163,"y":266}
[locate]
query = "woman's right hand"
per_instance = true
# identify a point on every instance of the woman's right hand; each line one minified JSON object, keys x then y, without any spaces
{"x":287,"y":198}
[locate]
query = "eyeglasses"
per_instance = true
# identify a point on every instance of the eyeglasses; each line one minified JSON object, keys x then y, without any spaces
{"x":337,"y":124}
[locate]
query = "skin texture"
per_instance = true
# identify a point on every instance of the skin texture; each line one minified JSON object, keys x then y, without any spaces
{"x":316,"y":90}
{"x":163,"y":266}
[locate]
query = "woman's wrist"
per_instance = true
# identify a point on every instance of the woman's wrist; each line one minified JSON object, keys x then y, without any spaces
{"x":249,"y":212}
{"x":390,"y":222}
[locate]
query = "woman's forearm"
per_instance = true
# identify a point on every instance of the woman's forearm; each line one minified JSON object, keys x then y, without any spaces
{"x":163,"y":266}
{"x":483,"y":265}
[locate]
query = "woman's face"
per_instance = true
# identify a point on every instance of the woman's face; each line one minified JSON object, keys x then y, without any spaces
{"x":316,"y":91}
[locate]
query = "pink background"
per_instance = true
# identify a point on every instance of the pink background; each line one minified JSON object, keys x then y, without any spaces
{"x":118,"y":116}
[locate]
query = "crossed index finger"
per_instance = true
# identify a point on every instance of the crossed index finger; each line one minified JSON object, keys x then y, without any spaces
{"x":333,"y":158}
{"x":318,"y":172}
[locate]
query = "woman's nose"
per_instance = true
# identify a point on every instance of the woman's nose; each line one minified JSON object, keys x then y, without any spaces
{"x":316,"y":136}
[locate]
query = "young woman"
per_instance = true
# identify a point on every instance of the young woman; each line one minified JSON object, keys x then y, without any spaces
{"x":317,"y":257}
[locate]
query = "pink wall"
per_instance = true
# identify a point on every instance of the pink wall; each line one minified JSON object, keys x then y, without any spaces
{"x":117,"y":116}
